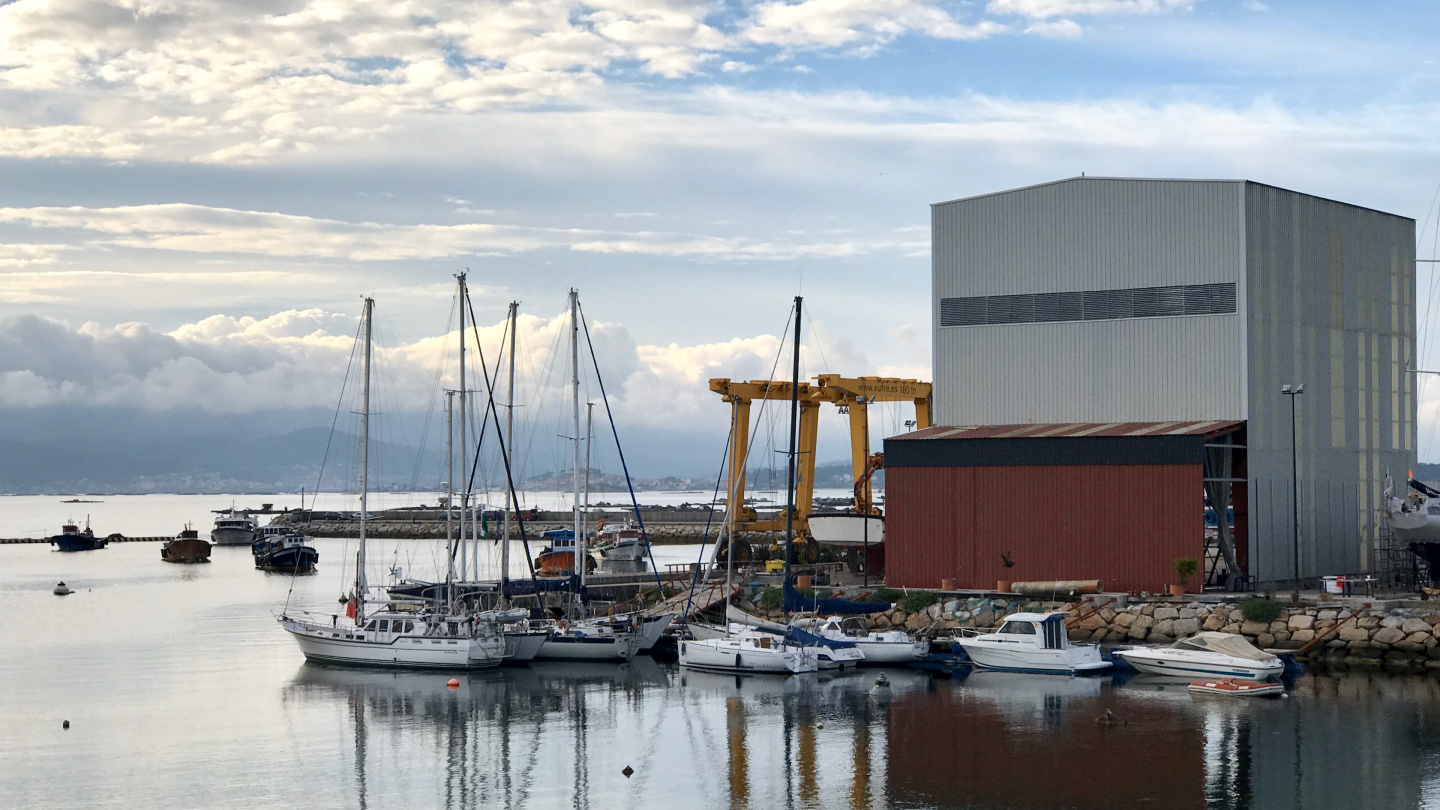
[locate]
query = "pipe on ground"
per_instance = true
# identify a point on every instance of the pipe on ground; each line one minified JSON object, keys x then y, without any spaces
{"x":1056,"y":586}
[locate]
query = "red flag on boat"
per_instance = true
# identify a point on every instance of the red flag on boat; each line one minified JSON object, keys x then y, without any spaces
{"x":351,"y":607}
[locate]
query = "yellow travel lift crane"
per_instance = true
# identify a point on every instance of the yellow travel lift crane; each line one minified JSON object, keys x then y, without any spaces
{"x":851,"y":393}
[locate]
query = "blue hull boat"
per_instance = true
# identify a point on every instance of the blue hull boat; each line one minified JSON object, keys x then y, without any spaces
{"x":71,"y":538}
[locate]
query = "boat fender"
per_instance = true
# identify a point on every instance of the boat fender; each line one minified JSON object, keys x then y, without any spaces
{"x":453,"y":683}
{"x":628,"y":771}
{"x":65,"y":725}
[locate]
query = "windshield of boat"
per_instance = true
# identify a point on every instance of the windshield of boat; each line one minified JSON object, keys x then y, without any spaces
{"x":1019,"y":628}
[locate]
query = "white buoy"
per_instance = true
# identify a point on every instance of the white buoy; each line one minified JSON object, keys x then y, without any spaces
{"x":62,"y":590}
{"x":881,"y":690}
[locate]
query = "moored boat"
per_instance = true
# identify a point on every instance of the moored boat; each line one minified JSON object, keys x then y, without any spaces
{"x":879,"y":646}
{"x":1032,"y":642}
{"x":1238,"y":688}
{"x":621,"y":543}
{"x":289,"y":553}
{"x":186,"y":547}
{"x":72,"y":538}
{"x":748,"y":651}
{"x":424,"y":640}
{"x":234,"y":529}
{"x":558,"y":559}
{"x":1209,"y":655}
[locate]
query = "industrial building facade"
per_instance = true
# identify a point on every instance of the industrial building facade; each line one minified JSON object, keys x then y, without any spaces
{"x":1102,"y":301}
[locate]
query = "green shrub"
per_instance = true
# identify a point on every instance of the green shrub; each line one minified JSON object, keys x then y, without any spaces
{"x":771,"y":599}
{"x":1260,"y":610}
{"x":1185,"y":567}
{"x":887,"y":595}
{"x":916,"y":601}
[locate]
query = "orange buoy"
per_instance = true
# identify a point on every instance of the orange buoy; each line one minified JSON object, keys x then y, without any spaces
{"x":454,"y":683}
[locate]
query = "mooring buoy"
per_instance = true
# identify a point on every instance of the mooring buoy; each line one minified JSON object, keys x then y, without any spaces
{"x":454,"y":683}
{"x":628,"y":771}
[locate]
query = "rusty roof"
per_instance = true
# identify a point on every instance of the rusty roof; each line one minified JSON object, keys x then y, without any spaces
{"x":1075,"y":430}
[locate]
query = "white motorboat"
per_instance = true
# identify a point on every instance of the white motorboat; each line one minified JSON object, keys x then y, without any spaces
{"x":1208,"y":655}
{"x":749,"y":650}
{"x":415,"y":640}
{"x":233,"y":529}
{"x":1032,"y":642}
{"x":879,"y":646}
{"x":590,"y":641}
{"x":621,"y":543}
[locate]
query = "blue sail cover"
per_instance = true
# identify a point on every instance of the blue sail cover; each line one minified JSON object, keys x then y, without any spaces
{"x":794,"y":602}
{"x":800,"y":638}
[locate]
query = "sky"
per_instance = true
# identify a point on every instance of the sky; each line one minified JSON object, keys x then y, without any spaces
{"x":196,"y":194}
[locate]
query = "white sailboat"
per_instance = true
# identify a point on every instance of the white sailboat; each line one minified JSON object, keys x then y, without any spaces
{"x":879,"y":646}
{"x":579,"y":639}
{"x":428,"y":639}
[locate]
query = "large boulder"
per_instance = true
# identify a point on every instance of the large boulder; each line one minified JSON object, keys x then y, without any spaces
{"x":1124,"y":620}
{"x":1301,"y":622}
{"x":1303,"y":636}
{"x":1186,"y":627}
{"x":1147,"y":610}
{"x":1254,"y":628}
{"x":1091,"y":623}
{"x":1107,"y":614}
{"x":1164,"y":627}
{"x":1232,"y":629}
{"x":1137,"y":632}
{"x":984,"y":618}
{"x":1264,"y":640}
{"x":1100,"y":634}
{"x":1188,"y":613}
{"x":1143,"y":622}
{"x":1368,"y":622}
{"x":1392,"y":621}
{"x":1214,"y":621}
{"x":1388,"y":635}
{"x":1328,"y":615}
{"x":1163,"y":613}
{"x":1418,"y":638}
{"x":1412,"y":626}
{"x":1352,"y":633}
{"x":1159,"y":638}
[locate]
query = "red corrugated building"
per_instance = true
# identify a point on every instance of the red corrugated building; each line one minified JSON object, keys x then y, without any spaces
{"x":1115,"y":502}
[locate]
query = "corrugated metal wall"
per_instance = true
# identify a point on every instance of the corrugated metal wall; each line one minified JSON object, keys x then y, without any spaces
{"x":1331,"y":291}
{"x":1089,"y":234}
{"x":1125,"y":525}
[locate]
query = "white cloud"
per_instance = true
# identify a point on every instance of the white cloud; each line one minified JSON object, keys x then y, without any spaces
{"x":1056,"y":29}
{"x":856,"y":24}
{"x":1063,"y":8}
{"x":25,"y":255}
{"x":1254,"y":5}
{"x":737,"y":67}
{"x":201,"y":229}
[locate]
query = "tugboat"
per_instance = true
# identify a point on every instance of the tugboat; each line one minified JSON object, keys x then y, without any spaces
{"x":71,"y":538}
{"x":558,"y":559}
{"x":290,"y":553}
{"x":187,"y":547}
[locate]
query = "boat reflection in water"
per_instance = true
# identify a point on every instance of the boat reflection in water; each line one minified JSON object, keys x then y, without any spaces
{"x":560,"y":734}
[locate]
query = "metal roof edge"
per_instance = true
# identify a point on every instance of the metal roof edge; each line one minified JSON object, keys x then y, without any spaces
{"x":1327,"y":199}
{"x":1093,"y":177}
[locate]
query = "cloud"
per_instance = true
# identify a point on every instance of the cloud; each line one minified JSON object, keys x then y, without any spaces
{"x":201,"y":229}
{"x":737,"y":67}
{"x":1056,"y":29}
{"x":1041,"y":9}
{"x":856,"y":24}
{"x":25,"y":255}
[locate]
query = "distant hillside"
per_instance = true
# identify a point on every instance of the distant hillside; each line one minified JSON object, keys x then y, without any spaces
{"x":220,"y":462}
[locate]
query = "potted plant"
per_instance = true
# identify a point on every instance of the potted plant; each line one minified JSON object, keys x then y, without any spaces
{"x":1185,"y":567}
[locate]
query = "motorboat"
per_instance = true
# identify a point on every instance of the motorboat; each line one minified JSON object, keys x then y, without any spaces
{"x":1209,"y":655}
{"x":1237,"y":688}
{"x":289,"y":553}
{"x":388,"y":638}
{"x":234,"y":529}
{"x":558,"y":559}
{"x":849,"y":529}
{"x":187,"y":547}
{"x":879,"y":646}
{"x":1032,"y":642}
{"x":72,"y":538}
{"x":750,"y":650}
{"x":621,"y":543}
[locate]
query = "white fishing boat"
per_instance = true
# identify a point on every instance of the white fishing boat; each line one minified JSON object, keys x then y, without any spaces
{"x":234,"y":529}
{"x":1208,"y":655}
{"x":849,"y":529}
{"x":878,"y":646}
{"x":749,"y":650}
{"x":621,"y":543}
{"x":1032,"y":642}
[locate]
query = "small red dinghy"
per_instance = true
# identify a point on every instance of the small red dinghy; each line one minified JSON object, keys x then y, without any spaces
{"x":1238,"y":688}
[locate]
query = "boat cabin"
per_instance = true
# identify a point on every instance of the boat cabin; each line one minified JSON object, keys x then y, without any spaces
{"x":1043,"y":630}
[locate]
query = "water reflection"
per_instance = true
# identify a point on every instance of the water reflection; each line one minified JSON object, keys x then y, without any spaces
{"x":559,"y":734}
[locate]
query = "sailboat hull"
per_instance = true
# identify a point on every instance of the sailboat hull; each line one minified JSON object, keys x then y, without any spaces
{"x":522,"y":647}
{"x":346,"y":646}
{"x":561,"y":647}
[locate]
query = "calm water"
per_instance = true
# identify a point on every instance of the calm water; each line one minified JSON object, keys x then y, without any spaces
{"x":182,"y":692}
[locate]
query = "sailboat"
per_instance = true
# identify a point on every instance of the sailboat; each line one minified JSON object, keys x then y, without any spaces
{"x":430,"y":638}
{"x":579,"y":638}
{"x":758,"y":649}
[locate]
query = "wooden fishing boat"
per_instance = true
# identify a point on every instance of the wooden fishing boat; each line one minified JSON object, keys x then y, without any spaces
{"x":187,"y":547}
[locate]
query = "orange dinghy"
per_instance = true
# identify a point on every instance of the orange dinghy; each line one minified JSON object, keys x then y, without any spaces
{"x":1238,"y":688}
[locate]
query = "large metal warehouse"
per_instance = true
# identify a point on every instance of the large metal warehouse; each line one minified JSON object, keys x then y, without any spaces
{"x":1095,"y":302}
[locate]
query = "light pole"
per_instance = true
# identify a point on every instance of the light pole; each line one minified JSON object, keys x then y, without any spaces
{"x":1293,"y":391}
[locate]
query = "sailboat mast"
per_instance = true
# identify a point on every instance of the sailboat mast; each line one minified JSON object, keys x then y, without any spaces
{"x":509,"y":444}
{"x":790,"y":476}
{"x":730,"y":507}
{"x":364,"y":468}
{"x":575,"y":401}
{"x":449,"y":493}
{"x":464,"y":444}
{"x":582,"y":561}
